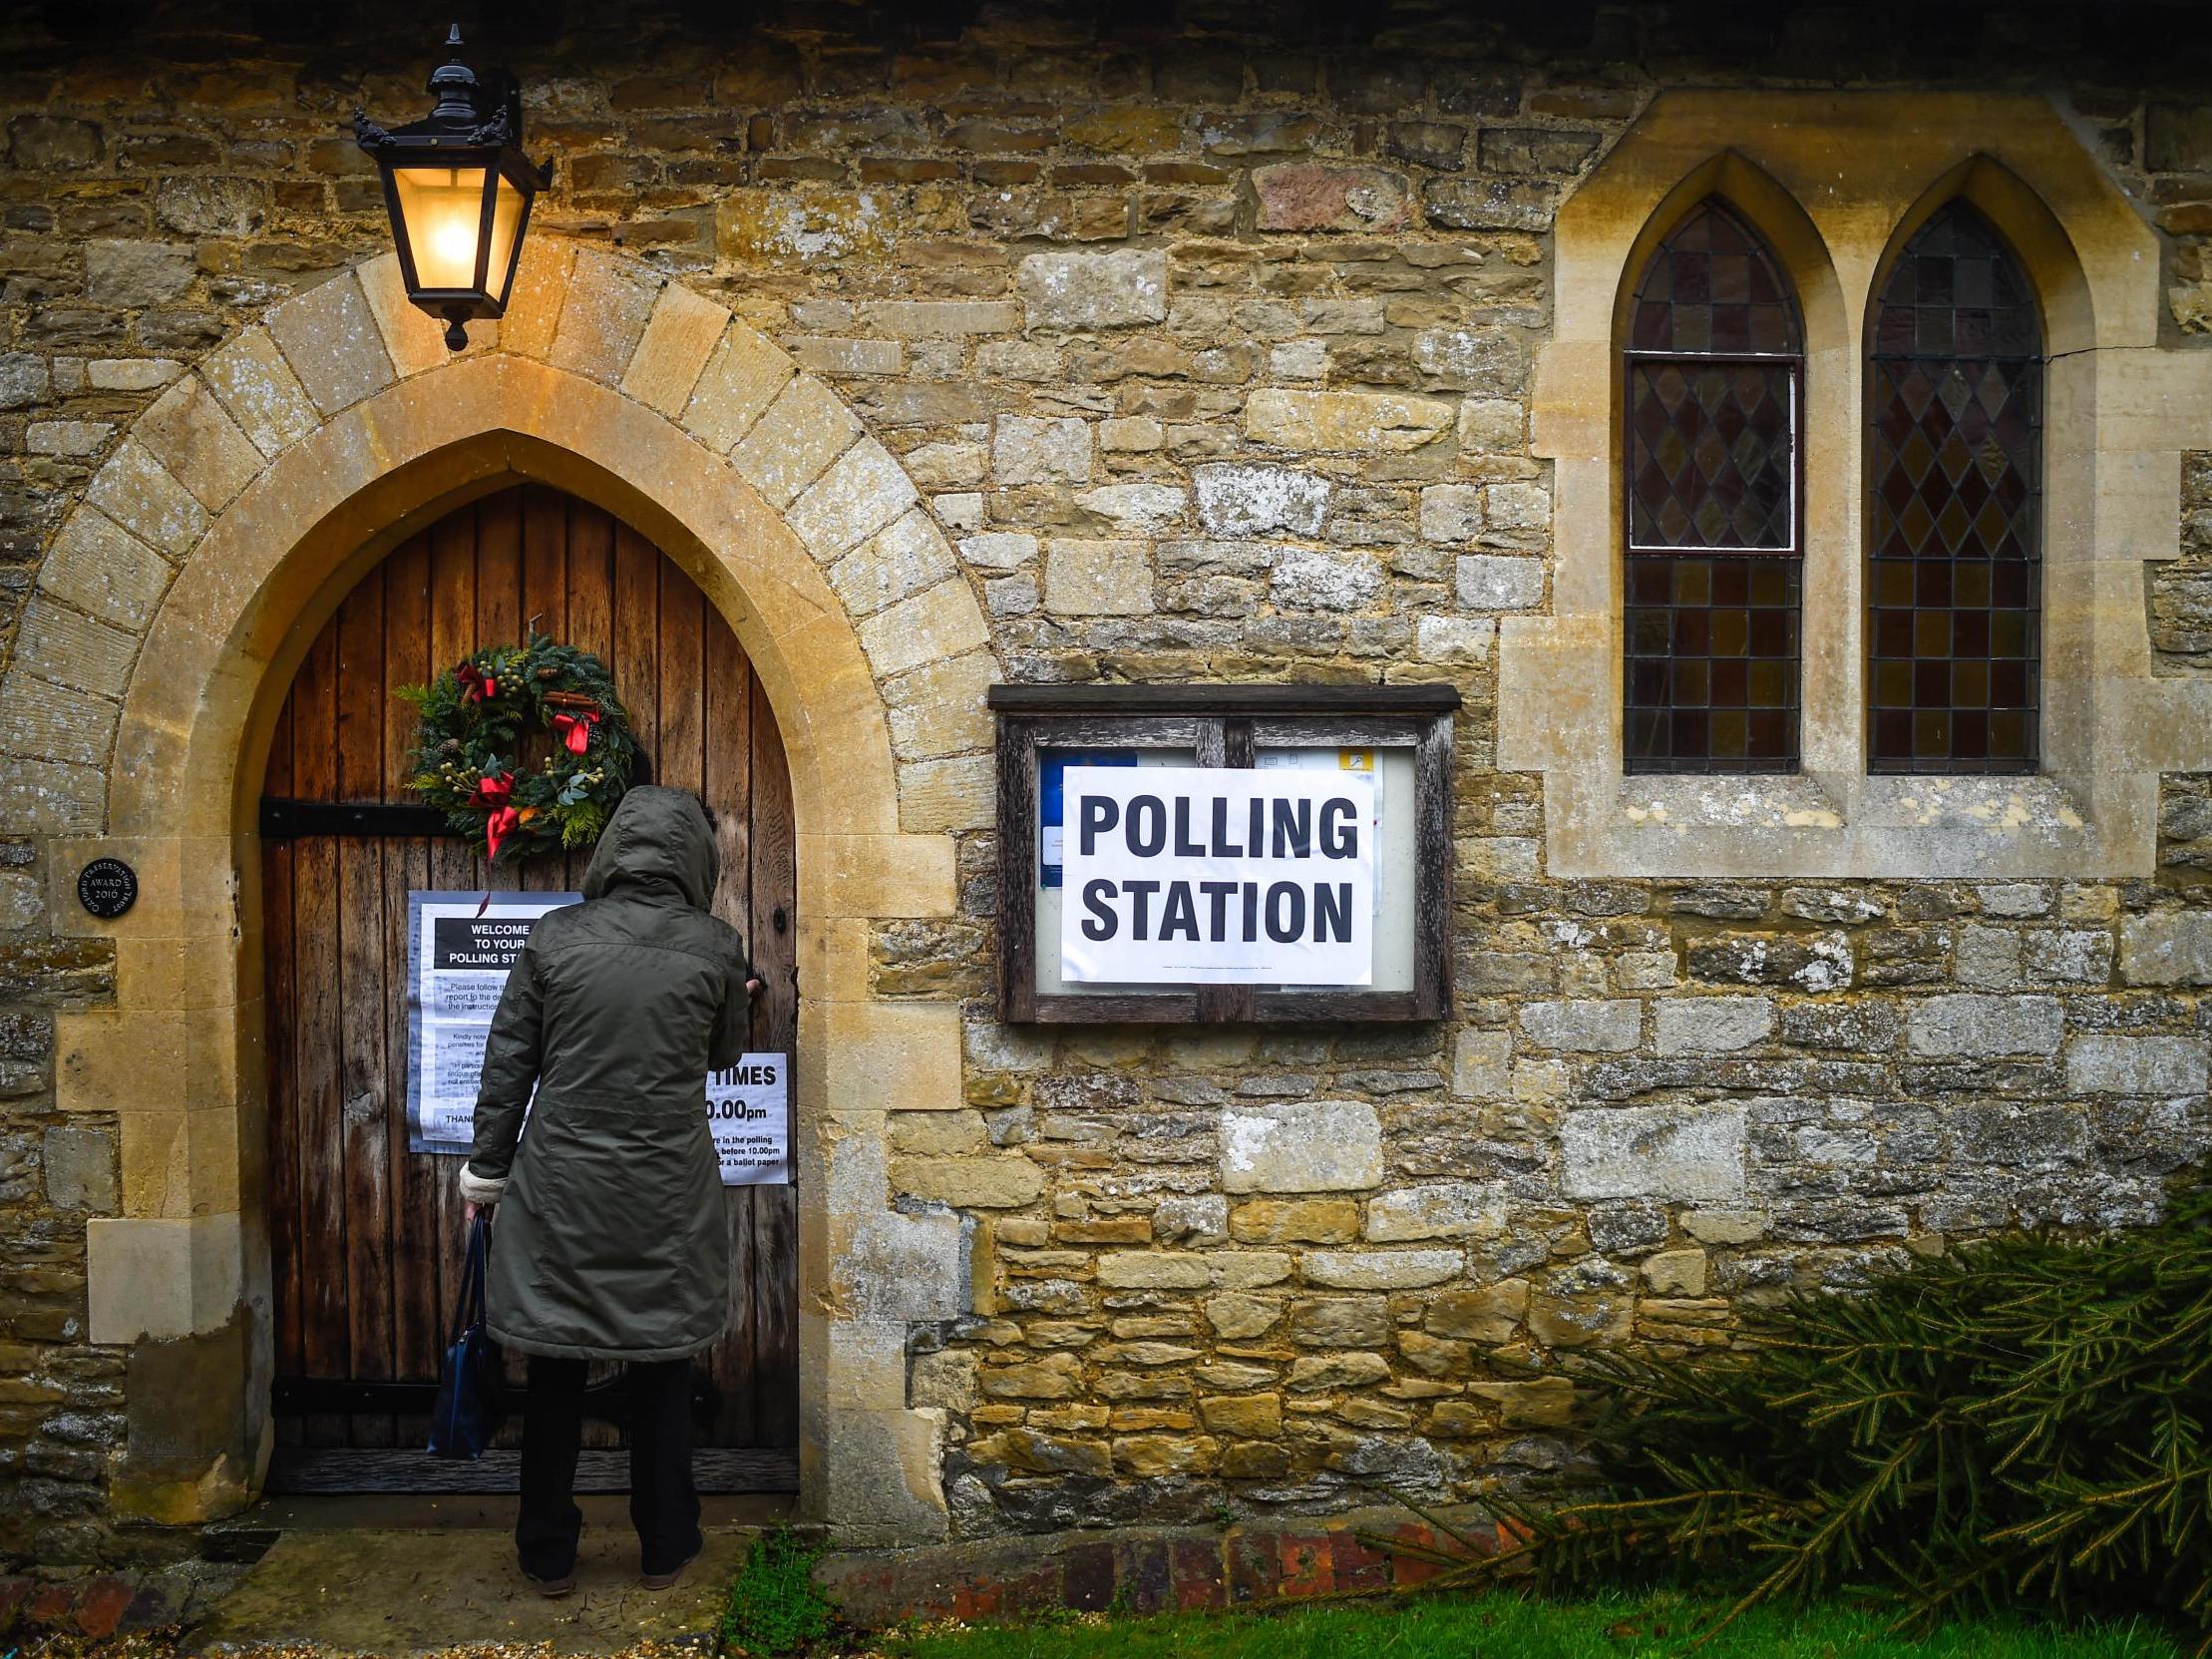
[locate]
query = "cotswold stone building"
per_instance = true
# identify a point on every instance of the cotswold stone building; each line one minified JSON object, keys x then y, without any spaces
{"x":1787,"y":431}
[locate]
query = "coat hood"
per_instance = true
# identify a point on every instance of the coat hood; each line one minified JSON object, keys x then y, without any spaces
{"x":657,"y":838}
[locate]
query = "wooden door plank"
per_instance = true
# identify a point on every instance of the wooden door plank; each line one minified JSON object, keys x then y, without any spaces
{"x":727,"y":785}
{"x":774,"y":887}
{"x":727,"y":745}
{"x":590,"y":609}
{"x":545,"y":560}
{"x":591,"y":579}
{"x":364,"y":1145}
{"x":406,"y":657}
{"x":283,"y":1111}
{"x":676,"y":745}
{"x":636,"y":639}
{"x":316,"y":1034}
{"x":679,"y":759}
{"x":359,"y":729}
{"x":501,"y":619}
{"x":680,"y":692}
{"x":453,"y":867}
{"x":544,"y":521}
{"x":776,"y":1028}
{"x":498,"y":568}
{"x":416,"y":1319}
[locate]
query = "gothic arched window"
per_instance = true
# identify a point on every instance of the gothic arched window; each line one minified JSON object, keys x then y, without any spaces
{"x":1955,"y":539}
{"x":1714,"y":373}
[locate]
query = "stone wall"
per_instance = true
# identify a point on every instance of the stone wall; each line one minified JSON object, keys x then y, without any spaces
{"x":60,"y":1397}
{"x":1209,"y":350}
{"x":2181,"y":589}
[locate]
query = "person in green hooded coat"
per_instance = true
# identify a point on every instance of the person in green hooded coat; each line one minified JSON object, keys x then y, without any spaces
{"x":612,"y":1242}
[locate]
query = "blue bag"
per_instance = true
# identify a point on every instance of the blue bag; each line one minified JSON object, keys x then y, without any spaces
{"x":470,"y":1393}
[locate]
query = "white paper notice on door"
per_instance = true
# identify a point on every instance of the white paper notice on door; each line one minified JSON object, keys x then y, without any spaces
{"x":460,"y":947}
{"x":749,"y":1112}
{"x":1219,"y":876}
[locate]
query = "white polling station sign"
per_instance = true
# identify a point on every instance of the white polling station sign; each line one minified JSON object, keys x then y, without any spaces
{"x":1216,"y":876}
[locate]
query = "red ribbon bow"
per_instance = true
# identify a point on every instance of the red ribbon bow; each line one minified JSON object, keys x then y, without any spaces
{"x":492,"y":791}
{"x":476,"y":684}
{"x":575,"y":730}
{"x":498,"y":794}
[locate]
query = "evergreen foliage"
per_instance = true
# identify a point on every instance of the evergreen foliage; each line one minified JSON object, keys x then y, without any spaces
{"x":2021,"y":1424}
{"x":479,"y":719}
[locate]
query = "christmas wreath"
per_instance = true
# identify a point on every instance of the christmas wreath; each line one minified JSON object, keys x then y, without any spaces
{"x":525,"y":748}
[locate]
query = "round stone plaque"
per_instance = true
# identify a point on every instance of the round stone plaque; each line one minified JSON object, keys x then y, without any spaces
{"x":107,"y":886}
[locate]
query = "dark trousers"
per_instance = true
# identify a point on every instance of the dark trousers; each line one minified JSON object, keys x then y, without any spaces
{"x":664,"y":1506}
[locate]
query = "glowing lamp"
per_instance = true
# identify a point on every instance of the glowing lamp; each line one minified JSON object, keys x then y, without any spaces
{"x":458,"y":188}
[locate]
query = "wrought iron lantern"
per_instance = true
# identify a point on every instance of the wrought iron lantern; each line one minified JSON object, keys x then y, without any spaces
{"x":459,"y":190}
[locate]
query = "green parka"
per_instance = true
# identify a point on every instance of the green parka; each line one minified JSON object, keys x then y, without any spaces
{"x":611,"y":1241}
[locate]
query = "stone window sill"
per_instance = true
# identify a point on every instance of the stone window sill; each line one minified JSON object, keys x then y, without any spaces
{"x":1836,"y":826}
{"x":1986,"y":804}
{"x":1883,"y":802}
{"x":1728,"y":802}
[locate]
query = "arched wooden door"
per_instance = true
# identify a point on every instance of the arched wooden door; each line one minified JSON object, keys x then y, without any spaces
{"x":365,"y":1235}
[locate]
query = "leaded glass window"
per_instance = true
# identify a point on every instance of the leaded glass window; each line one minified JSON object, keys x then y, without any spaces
{"x":1714,"y":398}
{"x":1954,"y":567}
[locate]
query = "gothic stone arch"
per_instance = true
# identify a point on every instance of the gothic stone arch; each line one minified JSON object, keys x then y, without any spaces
{"x":171,"y":612}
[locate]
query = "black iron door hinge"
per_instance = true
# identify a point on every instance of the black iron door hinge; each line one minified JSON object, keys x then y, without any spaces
{"x":287,"y":820}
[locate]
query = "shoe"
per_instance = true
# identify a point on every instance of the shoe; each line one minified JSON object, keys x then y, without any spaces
{"x":553,"y":1588}
{"x":663,"y":1580}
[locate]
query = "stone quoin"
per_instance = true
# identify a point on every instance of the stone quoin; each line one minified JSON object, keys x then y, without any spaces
{"x":1027,"y":345}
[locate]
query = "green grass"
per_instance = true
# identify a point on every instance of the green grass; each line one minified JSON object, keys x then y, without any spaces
{"x":1504,"y":1626}
{"x":773,"y":1606}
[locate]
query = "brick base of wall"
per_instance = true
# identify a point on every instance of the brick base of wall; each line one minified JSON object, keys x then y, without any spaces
{"x":98,"y":1604}
{"x":93,"y":1607}
{"x":1138,"y":1570}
